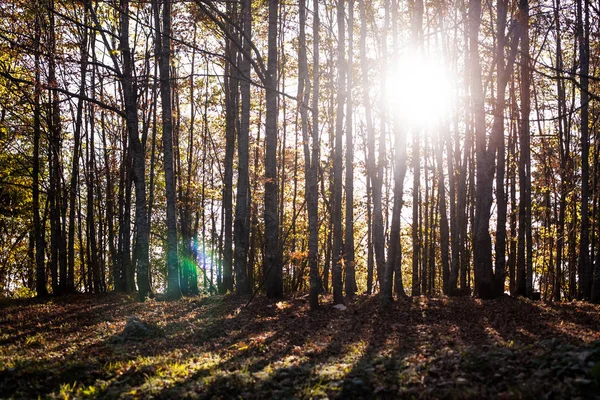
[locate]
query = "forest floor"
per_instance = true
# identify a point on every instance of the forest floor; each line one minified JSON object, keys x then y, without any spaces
{"x":217,"y":347}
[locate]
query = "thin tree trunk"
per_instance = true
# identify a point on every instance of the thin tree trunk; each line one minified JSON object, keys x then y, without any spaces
{"x":138,"y":155}
{"x":38,"y":227}
{"x":311,"y":161}
{"x":350,"y":284}
{"x":54,"y":151}
{"x":512,"y":259}
{"x":394,"y":249}
{"x":370,"y":148}
{"x":241,"y":229}
{"x":338,"y":258}
{"x":93,"y":259}
{"x":417,"y":27}
{"x":163,"y":51}
{"x":524,"y":269}
{"x":377,"y":172}
{"x":585,"y":268}
{"x":231,"y":117}
{"x":272,"y":267}
{"x":444,"y":232}
{"x":75,"y":170}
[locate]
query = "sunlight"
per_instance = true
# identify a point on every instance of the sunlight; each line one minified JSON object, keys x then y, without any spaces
{"x":419,"y":90}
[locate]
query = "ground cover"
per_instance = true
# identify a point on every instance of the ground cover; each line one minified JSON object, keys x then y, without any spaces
{"x":222,"y":347}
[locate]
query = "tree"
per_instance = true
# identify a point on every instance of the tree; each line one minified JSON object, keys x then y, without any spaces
{"x":311,"y":155}
{"x":338,"y":255}
{"x":349,"y":260}
{"x":272,"y":267}
{"x":38,"y":229}
{"x":370,"y":148}
{"x":585,"y":267}
{"x":503,"y":72}
{"x":163,"y":52}
{"x":484,"y":279}
{"x":231,"y":122}
{"x":417,"y":22}
{"x":524,"y":256}
{"x":241,"y":229}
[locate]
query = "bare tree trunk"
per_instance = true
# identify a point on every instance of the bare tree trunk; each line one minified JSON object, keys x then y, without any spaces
{"x":75,"y":170}
{"x":563,"y":151}
{"x":241,"y":229}
{"x":585,"y":268}
{"x":394,"y":249}
{"x":524,"y":256}
{"x":231,"y":117}
{"x":377,"y":171}
{"x":163,"y":51}
{"x":512,"y":259}
{"x":138,"y":155}
{"x":350,"y":284}
{"x":424,"y":225}
{"x":272,"y":267}
{"x":444,"y":231}
{"x":370,"y":148}
{"x":57,"y":267}
{"x":92,"y":239}
{"x":504,"y":71}
{"x":338,"y":258}
{"x":417,"y":28}
{"x":484,"y":279}
{"x":38,"y":227}
{"x":311,"y":161}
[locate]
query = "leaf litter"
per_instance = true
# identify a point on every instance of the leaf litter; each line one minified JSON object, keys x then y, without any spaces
{"x":110,"y":346}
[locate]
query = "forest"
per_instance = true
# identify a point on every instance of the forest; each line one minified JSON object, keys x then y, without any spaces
{"x":205,"y":198}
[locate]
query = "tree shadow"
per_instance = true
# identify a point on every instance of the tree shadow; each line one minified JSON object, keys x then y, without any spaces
{"x":219,"y":348}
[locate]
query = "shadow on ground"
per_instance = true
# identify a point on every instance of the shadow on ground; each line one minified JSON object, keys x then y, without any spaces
{"x":216,"y":347}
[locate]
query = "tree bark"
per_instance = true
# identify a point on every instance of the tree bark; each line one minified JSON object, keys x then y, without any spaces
{"x":585,"y":268}
{"x":484,"y":279}
{"x":311,"y":161}
{"x":524,"y":256}
{"x":38,"y":228}
{"x":163,"y":52}
{"x":350,"y":282}
{"x":338,"y":256}
{"x":272,"y":267}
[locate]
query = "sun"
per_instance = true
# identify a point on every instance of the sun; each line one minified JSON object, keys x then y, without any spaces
{"x":419,"y":90}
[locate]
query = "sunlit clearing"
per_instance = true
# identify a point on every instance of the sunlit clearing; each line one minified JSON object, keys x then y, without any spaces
{"x":419,"y":90}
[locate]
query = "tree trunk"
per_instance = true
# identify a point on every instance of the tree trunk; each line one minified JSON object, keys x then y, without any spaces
{"x":38,"y":228}
{"x":58,"y":270}
{"x":231,"y":117}
{"x":241,"y":229}
{"x":417,"y":33}
{"x":91,"y":226}
{"x":394,"y":249}
{"x":585,"y":268}
{"x":138,"y":155}
{"x":484,"y":279}
{"x":370,"y":148}
{"x":377,"y":171}
{"x":338,"y":257}
{"x":444,"y":232}
{"x":75,"y":169}
{"x":350,"y":283}
{"x":524,"y":256}
{"x":311,"y":161}
{"x":272,"y":267}
{"x":163,"y":52}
